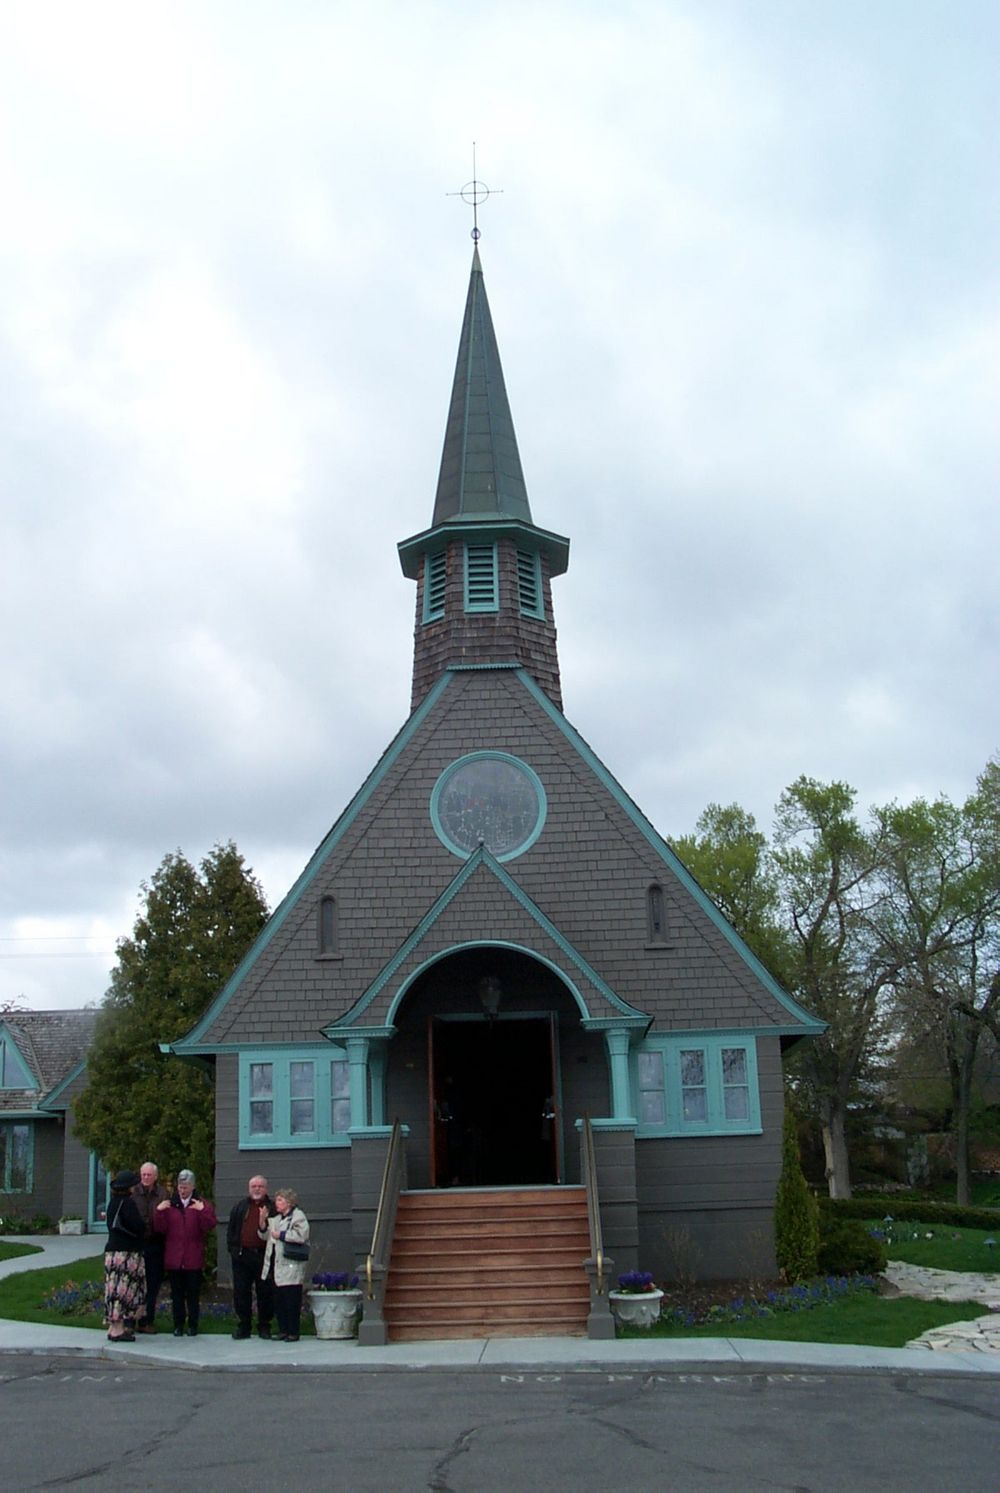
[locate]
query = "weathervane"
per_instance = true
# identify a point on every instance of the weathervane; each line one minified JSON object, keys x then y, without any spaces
{"x":473,"y":193}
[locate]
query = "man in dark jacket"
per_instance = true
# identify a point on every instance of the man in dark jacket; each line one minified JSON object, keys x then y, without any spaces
{"x":246,"y":1238}
{"x":147,"y":1196}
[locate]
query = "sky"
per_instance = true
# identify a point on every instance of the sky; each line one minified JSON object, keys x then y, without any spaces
{"x":742,"y":260}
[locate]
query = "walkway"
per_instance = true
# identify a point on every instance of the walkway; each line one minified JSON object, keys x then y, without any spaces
{"x":711,"y":1357}
{"x":980,"y":1334}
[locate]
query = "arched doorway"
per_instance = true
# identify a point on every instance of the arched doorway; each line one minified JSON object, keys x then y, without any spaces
{"x":476,"y":1070}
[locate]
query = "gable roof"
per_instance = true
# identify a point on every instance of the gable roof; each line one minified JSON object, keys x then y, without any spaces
{"x":53,"y":1045}
{"x":595,"y":836}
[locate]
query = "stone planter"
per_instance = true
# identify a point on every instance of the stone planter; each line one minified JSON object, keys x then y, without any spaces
{"x":71,"y":1225}
{"x":640,"y":1309}
{"x":335,"y":1313}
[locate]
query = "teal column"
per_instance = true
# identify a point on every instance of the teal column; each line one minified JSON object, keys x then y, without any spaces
{"x":357,"y":1057}
{"x":621,"y":1086}
{"x":376,"y":1067}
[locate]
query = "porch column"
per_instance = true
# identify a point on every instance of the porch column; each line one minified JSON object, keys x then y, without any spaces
{"x":617,"y":1039}
{"x":357,"y":1057}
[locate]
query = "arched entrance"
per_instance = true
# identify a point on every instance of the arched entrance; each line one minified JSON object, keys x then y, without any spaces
{"x":476,"y":1069}
{"x":493,"y":1114}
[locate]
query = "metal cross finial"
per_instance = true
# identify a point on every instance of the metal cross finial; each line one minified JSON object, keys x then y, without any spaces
{"x":473,"y":193}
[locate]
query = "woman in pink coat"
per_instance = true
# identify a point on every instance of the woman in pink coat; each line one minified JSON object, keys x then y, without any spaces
{"x":187,"y":1220}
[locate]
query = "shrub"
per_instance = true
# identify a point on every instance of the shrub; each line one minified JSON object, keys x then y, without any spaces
{"x":847,"y":1248}
{"x":796,"y":1222}
{"x":870,"y":1206}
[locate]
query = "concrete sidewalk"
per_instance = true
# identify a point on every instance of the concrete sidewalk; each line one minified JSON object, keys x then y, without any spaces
{"x":528,"y":1355}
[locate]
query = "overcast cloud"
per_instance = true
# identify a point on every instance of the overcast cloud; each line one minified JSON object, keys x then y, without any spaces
{"x":744,"y":279}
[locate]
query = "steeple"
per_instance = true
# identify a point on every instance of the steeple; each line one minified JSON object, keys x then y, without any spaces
{"x":483,"y":569}
{"x":480,"y":475}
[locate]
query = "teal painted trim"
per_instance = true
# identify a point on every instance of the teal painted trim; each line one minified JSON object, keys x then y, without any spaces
{"x":291,"y":900}
{"x":487,"y":756}
{"x":25,"y":1114}
{"x":262,"y":1143}
{"x":435,"y":568}
{"x":11,"y":1122}
{"x":51,"y":1100}
{"x":626,"y":1124}
{"x":530,"y":593}
{"x":96,"y":1224}
{"x":27,"y":1078}
{"x":482,"y":857}
{"x":486,"y":592}
{"x":714,"y":1124}
{"x":280,"y":1136}
{"x":812,"y":1025}
{"x":483,"y":530}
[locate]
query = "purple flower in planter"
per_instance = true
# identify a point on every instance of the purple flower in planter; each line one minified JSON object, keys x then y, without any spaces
{"x":336,"y":1280}
{"x":636,"y":1282}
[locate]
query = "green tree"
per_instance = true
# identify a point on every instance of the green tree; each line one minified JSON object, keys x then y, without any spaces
{"x":193,"y":930}
{"x":939,"y":926}
{"x":796,"y":1216}
{"x":827,"y":867}
{"x":730,"y":858}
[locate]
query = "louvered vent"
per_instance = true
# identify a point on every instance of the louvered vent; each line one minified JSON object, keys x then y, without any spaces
{"x":435,"y":570}
{"x":529,"y":583}
{"x":480,"y":578}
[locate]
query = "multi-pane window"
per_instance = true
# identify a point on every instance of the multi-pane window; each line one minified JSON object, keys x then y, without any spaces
{"x":652,"y":1099}
{"x":435,"y":575}
{"x":15,"y":1158}
{"x":697,"y":1085}
{"x":294,"y":1098}
{"x":481,"y":583}
{"x":529,"y":584}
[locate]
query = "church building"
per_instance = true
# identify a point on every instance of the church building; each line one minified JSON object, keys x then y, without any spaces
{"x":494,"y":947}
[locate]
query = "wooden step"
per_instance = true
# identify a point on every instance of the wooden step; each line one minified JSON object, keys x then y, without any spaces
{"x":498,"y":1262}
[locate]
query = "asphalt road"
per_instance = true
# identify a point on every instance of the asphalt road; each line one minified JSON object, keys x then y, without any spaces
{"x":80,"y":1424}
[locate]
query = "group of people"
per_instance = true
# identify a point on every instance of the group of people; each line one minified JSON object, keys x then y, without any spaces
{"x":153,"y":1232}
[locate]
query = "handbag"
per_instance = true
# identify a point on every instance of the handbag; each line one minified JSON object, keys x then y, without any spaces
{"x":293,"y":1250}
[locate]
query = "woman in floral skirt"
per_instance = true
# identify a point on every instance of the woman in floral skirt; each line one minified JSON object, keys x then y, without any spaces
{"x":124,"y":1269}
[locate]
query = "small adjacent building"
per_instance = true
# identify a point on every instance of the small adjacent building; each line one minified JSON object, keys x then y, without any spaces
{"x":493,"y":941}
{"x":44,"y":1169}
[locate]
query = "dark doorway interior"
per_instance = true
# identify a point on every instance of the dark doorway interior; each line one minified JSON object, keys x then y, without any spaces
{"x":494,"y":1115}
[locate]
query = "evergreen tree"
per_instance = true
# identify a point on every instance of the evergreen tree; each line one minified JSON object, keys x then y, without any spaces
{"x":193,"y":930}
{"x":796,"y":1214}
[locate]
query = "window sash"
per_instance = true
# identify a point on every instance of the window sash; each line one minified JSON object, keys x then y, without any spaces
{"x":294,"y":1098}
{"x":16,"y":1155}
{"x":700,"y":1086}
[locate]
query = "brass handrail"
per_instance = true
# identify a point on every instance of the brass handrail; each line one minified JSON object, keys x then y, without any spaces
{"x":593,"y":1203}
{"x":378,"y":1243}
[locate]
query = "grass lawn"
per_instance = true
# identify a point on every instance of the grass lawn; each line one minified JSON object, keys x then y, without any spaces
{"x":864,"y":1320}
{"x":14,"y":1251}
{"x":943,"y":1246}
{"x":21,"y":1298}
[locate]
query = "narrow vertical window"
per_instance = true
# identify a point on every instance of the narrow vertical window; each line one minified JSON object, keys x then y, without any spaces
{"x":328,"y":925}
{"x":529,"y":584}
{"x":302,"y":1098}
{"x":340,"y":1097}
{"x":652,"y":1097}
{"x":735,"y":1084}
{"x":261,"y":1098}
{"x":655,"y":924}
{"x":694,"y":1092}
{"x":435,"y":572}
{"x":481,"y":585}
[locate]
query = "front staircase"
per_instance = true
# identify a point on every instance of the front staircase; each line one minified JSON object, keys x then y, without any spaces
{"x":489,"y":1263}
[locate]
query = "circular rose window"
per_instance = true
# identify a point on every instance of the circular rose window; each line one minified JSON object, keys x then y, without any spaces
{"x":491,"y":799}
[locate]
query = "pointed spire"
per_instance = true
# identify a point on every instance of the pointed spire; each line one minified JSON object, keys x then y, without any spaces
{"x":480,"y":475}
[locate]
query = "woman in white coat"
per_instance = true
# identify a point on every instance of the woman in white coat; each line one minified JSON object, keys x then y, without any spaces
{"x":290,"y":1226}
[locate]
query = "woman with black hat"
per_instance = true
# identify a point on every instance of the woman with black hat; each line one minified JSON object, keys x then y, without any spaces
{"x":124,"y":1270}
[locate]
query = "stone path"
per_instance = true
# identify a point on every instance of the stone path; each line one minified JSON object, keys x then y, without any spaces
{"x":981,"y":1334}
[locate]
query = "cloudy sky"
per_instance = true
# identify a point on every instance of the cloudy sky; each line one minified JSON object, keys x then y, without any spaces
{"x":744,"y":276}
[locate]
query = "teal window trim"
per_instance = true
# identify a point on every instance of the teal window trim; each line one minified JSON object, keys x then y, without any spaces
{"x":482,"y":581}
{"x":14,"y":1072}
{"x":530,"y":595}
{"x":716,"y":1074}
{"x":441,"y":786}
{"x":307,"y":1091}
{"x":435,"y":575}
{"x":17,"y":1171}
{"x":98,"y":1193}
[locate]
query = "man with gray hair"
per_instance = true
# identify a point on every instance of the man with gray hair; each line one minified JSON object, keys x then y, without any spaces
{"x":186,"y":1220}
{"x":147,"y":1196}
{"x":246,"y":1237}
